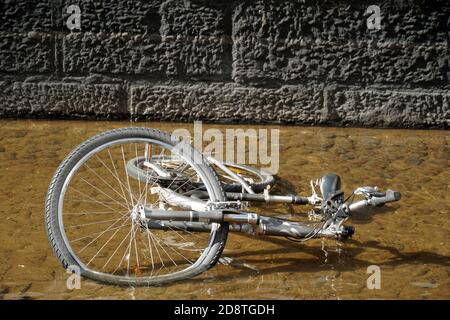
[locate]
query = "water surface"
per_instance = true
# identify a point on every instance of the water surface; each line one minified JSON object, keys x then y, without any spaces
{"x":408,"y":240}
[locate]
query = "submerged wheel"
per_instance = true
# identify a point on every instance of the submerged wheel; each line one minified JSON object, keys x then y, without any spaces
{"x":91,"y":206}
{"x":140,"y":168}
{"x":258,"y":179}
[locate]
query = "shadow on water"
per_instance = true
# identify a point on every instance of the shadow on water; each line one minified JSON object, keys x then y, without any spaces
{"x":299,"y":265}
{"x":412,"y":246}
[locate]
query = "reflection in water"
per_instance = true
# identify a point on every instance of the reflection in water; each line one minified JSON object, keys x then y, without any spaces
{"x":408,"y":240}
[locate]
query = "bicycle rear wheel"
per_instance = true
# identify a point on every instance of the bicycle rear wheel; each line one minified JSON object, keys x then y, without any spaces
{"x":258,"y":179}
{"x":140,"y":168}
{"x":92,"y":213}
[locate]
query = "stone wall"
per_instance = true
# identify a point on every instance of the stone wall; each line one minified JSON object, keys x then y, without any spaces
{"x":292,"y":61}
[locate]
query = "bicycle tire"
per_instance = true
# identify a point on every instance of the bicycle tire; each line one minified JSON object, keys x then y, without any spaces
{"x":264,"y":178}
{"x":55,"y":227}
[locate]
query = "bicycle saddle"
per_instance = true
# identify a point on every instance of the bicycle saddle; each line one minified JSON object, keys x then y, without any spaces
{"x":330,"y":186}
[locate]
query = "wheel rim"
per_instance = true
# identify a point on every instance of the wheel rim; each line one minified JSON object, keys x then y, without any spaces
{"x":189,"y":254}
{"x":250,"y":175}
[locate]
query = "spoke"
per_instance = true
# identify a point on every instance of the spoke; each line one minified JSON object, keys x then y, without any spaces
{"x":128,"y":178}
{"x":126,"y":249}
{"x":147,"y":229}
{"x":146,"y":188}
{"x":137,"y":255}
{"x":145,"y":191}
{"x":184,"y":239}
{"x":150,"y":249}
{"x":157,"y":242}
{"x":133,"y":231}
{"x":91,"y":223}
{"x":92,"y":199}
{"x":117,"y":177}
{"x":146,"y":183}
{"x":115,"y":251}
{"x":198,"y":188}
{"x":179,"y":230}
{"x":157,"y":251}
{"x":92,"y":234}
{"x":183,"y":166}
{"x":138,"y":171}
{"x":106,"y":183}
{"x":104,"y":228}
{"x":95,"y":239}
{"x":188,"y":180}
{"x":187,"y":231}
{"x":110,"y":238}
{"x":92,"y":212}
{"x":226,"y":177}
{"x":103,"y":193}
{"x":178,"y":252}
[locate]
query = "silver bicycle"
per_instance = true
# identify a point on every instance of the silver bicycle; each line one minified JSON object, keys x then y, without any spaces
{"x":134,"y":206}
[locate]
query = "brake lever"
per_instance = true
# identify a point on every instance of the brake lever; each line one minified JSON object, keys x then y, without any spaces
{"x":368,"y":192}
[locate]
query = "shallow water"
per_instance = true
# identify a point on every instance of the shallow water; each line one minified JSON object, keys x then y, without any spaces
{"x":408,"y":240}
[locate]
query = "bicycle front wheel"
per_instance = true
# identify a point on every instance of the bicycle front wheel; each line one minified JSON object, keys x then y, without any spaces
{"x":92,"y":218}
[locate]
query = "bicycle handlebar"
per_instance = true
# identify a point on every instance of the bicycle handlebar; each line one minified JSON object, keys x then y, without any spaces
{"x":389,"y":196}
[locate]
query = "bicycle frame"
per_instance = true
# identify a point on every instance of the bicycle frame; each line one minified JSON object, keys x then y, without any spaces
{"x":201,"y":214}
{"x":185,"y":195}
{"x":250,"y":223}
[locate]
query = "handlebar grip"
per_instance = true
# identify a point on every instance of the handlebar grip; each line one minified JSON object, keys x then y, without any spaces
{"x":390,"y":196}
{"x":300,"y":200}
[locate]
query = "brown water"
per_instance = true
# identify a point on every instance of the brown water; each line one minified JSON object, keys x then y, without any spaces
{"x":408,"y":240}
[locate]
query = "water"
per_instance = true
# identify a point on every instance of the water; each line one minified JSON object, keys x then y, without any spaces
{"x":408,"y":240}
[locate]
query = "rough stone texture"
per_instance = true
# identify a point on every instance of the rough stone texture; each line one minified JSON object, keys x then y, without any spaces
{"x":26,"y":15}
{"x":291,"y":104}
{"x":228,"y":102}
{"x":293,"y":61}
{"x":190,"y":43}
{"x":117,"y":16}
{"x":377,"y":107}
{"x":329,"y":41}
{"x":26,"y":52}
{"x":119,"y":53}
{"x":194,"y":39}
{"x":61,"y":99}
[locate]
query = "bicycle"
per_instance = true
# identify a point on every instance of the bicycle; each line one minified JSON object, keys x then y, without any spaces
{"x":135,"y":206}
